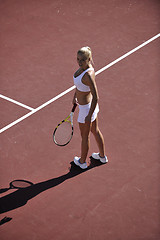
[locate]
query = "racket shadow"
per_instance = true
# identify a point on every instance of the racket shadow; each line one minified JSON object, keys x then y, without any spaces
{"x":17,"y":184}
{"x":20,"y":197}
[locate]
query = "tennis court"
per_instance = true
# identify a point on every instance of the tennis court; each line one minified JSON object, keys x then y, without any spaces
{"x":119,"y":200}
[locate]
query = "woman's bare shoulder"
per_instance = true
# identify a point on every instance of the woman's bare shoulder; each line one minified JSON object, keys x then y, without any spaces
{"x":89,"y":76}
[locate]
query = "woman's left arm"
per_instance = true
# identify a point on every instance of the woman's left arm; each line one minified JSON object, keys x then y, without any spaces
{"x":89,"y":80}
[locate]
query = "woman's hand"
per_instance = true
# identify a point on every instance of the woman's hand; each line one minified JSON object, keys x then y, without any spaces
{"x":75,"y":101}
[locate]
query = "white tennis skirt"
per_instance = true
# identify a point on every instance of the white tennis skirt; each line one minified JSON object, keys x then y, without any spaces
{"x":84,"y":110}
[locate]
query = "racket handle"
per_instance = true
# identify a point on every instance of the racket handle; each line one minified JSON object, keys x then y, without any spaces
{"x":74,"y":107}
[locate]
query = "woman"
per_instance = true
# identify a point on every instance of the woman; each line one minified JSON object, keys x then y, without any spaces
{"x":86,"y":96}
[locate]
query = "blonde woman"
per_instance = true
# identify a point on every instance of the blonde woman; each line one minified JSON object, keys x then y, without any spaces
{"x":86,"y":95}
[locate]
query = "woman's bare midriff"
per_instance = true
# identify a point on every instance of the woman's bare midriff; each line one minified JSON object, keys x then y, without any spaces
{"x":83,"y":98}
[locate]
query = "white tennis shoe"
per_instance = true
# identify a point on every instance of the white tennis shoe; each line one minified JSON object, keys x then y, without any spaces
{"x":97,"y":157}
{"x":81,"y":165}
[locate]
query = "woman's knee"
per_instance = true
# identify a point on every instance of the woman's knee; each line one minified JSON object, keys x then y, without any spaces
{"x":96,"y":132}
{"x":85,"y":135}
{"x":85,"y":131}
{"x":95,"y":129}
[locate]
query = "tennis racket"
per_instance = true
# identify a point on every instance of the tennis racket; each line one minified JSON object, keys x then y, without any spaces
{"x":63,"y":133}
{"x":17,"y":184}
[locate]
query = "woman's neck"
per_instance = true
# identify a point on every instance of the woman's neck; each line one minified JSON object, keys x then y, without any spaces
{"x":88,"y":66}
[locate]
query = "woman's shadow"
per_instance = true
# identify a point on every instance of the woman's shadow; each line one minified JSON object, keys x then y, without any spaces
{"x":21,"y":196}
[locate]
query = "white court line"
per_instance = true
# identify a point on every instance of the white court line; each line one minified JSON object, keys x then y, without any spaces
{"x":128,"y":53}
{"x":14,"y":101}
{"x":73,"y":87}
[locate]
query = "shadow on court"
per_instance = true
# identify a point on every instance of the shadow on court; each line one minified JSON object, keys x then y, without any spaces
{"x":21,"y":196}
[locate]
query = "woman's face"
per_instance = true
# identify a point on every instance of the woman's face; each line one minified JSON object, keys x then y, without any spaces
{"x":82,"y":61}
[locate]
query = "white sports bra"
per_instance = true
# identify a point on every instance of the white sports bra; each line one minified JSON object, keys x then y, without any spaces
{"x":78,"y":82}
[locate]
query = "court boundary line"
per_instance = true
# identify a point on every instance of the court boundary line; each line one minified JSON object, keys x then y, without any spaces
{"x":73,"y":87}
{"x":16,"y":102}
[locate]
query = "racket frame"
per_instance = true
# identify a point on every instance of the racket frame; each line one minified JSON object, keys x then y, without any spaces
{"x":19,"y":180}
{"x":66,"y":120}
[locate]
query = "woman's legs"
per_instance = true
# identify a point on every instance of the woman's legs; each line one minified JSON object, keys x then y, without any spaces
{"x":99,"y":137}
{"x":85,"y":131}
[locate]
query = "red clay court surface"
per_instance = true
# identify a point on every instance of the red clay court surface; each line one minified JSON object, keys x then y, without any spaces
{"x":116,"y":201}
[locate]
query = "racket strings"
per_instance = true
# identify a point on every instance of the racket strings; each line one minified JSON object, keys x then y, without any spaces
{"x":63,"y":133}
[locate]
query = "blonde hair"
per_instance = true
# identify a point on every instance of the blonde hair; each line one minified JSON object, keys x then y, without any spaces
{"x":86,"y":51}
